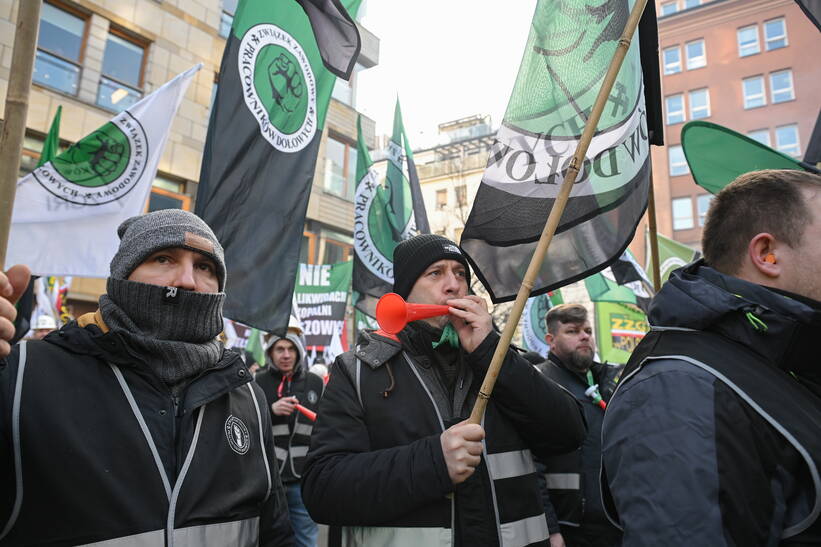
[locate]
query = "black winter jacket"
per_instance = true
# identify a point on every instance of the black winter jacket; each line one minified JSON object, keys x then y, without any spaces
{"x":712,"y":437}
{"x":376,"y":465}
{"x":572,"y":479}
{"x":292,"y":434}
{"x":93,"y":447}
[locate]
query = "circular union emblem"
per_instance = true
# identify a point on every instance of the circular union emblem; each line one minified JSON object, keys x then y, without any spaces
{"x":312,"y":397}
{"x":238,"y":438}
{"x":534,"y":330}
{"x":373,"y":230}
{"x":278,"y":86}
{"x":102,"y":167}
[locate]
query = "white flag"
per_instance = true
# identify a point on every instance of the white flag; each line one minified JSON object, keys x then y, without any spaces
{"x":66,"y":213}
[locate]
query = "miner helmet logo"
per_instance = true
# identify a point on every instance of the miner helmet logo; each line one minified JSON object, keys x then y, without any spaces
{"x":237,"y":434}
{"x":278,"y":86}
{"x":102,"y":167}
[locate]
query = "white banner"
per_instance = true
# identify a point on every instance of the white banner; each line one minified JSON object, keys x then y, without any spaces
{"x":66,"y":213}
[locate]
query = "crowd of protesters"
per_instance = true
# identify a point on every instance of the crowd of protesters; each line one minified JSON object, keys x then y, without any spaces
{"x":133,"y":425}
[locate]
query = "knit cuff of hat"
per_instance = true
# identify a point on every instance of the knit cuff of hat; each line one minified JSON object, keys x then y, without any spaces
{"x":165,"y":313}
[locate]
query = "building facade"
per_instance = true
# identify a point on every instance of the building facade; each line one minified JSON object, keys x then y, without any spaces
{"x":98,"y":57}
{"x":749,"y":65}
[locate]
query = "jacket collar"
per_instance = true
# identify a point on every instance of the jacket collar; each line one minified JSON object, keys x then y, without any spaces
{"x":375,"y":349}
{"x":227,"y":374}
{"x":772,"y":323}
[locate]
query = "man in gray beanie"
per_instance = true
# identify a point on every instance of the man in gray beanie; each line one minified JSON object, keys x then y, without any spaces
{"x":393,"y":460}
{"x":133,"y":424}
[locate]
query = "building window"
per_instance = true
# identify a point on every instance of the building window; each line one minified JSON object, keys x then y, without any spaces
{"x":338,"y":247}
{"x":748,"y":41}
{"x":161,"y":198}
{"x":441,"y":199}
{"x":696,"y":55}
{"x":340,"y":168}
{"x":59,"y":49}
{"x":675,"y":108}
{"x":691,"y":3}
{"x":682,"y":214}
{"x":699,"y":104}
{"x":703,"y":205}
{"x":229,"y":7}
{"x":775,"y":34}
{"x":753,"y":92}
{"x":461,"y":195}
{"x":672,"y":60}
{"x":678,"y":163}
{"x":669,"y":8}
{"x":786,"y":140}
{"x":122,"y":79}
{"x":760,"y":135}
{"x":781,"y":88}
{"x":307,"y":252}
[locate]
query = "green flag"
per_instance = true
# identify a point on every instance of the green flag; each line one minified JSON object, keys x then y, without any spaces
{"x":378,"y":224}
{"x":672,"y":255}
{"x":51,"y":146}
{"x":260,"y":153}
{"x":255,"y":346}
{"x":619,"y":329}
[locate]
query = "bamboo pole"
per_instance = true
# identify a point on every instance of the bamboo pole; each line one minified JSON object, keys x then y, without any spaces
{"x":654,"y":240}
{"x":16,"y":109}
{"x":555,"y":214}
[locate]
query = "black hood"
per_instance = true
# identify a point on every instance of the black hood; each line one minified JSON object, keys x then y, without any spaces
{"x":784,"y":329}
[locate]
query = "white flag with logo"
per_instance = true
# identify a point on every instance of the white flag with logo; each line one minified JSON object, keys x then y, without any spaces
{"x":66,"y":213}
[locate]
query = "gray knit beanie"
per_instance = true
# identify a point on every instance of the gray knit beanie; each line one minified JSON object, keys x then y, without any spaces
{"x":142,"y":235}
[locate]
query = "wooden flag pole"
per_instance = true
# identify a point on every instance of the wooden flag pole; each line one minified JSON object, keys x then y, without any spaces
{"x":17,"y":102}
{"x":556,"y":214}
{"x":654,"y":239}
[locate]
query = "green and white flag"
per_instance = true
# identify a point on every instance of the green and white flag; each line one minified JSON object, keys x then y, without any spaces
{"x":619,"y":329}
{"x":321,"y":295}
{"x":66,"y":213}
{"x":260,"y":153}
{"x":384,"y":215}
{"x":672,"y":255}
{"x":534,"y":329}
{"x":569,"y":49}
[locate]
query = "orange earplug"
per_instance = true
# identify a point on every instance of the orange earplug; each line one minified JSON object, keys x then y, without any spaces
{"x":770,"y":258}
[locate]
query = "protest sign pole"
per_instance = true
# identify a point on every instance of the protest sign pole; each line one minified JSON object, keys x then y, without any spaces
{"x":16,"y":109}
{"x":556,"y":213}
{"x":654,"y":239}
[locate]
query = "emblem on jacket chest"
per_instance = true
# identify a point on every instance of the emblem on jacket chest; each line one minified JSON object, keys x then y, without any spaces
{"x":237,"y":434}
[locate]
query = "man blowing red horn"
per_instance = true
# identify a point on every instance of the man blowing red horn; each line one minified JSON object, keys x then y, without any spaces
{"x":393,"y":460}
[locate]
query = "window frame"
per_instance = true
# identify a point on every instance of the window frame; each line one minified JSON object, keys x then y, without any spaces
{"x":754,"y":27}
{"x":788,"y":71}
{"x":784,"y":35}
{"x":137,"y":41}
{"x":703,"y":55}
{"x":667,"y":111}
{"x":691,"y":110}
{"x":80,"y":63}
{"x":678,"y":65}
{"x":745,"y":97}
{"x":765,"y":131}
{"x":185,"y":198}
{"x":701,"y":218}
{"x":349,"y":147}
{"x":670,"y":163}
{"x":797,"y":140}
{"x":673,"y":3}
{"x":443,"y":204}
{"x":691,"y":218}
{"x":312,"y":237}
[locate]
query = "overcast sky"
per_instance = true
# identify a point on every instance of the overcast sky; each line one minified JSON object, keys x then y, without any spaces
{"x":446,"y":59}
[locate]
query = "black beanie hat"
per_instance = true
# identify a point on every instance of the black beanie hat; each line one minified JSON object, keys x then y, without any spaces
{"x":414,"y":255}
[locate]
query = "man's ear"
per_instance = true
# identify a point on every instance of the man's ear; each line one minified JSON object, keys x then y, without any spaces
{"x":763,"y":255}
{"x":549,"y":339}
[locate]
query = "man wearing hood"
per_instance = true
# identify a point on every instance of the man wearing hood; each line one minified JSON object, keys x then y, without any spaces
{"x":286,"y":382}
{"x":133,"y":425}
{"x":712,"y":437}
{"x":393,"y":460}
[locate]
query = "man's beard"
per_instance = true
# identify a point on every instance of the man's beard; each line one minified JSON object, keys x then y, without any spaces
{"x":580,"y":362}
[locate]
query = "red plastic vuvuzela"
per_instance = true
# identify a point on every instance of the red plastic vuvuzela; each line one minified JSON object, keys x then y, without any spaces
{"x":393,"y":313}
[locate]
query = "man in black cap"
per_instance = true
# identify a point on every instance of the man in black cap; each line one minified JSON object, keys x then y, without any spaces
{"x":393,"y":460}
{"x":133,"y":425}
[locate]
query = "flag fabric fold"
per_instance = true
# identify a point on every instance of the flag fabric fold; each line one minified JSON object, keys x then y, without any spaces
{"x":260,"y":155}
{"x":66,"y":213}
{"x":336,"y":34}
{"x":672,"y":255}
{"x":568,"y":52}
{"x":384,"y":215}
